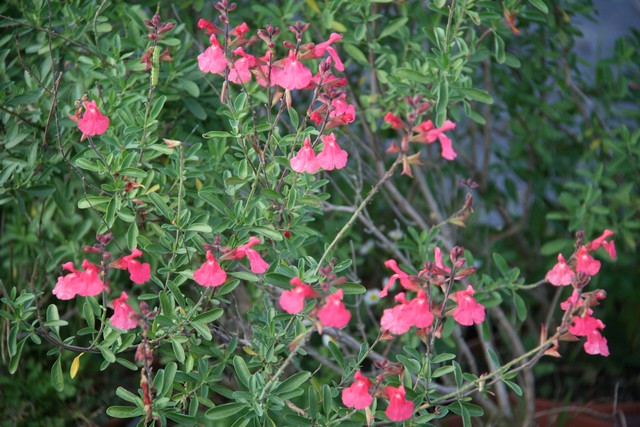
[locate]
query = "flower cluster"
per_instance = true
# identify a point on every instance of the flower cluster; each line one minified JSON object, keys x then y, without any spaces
{"x":424,"y":132}
{"x":417,"y":312}
{"x":89,"y":282}
{"x":359,"y":396}
{"x":211,"y":274}
{"x":332,"y":312}
{"x":577,"y":272}
{"x":331,"y":157}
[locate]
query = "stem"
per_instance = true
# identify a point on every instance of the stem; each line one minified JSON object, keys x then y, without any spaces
{"x":358,"y":210}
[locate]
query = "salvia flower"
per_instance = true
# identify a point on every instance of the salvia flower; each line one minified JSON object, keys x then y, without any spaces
{"x":334,"y":314}
{"x":357,"y":395}
{"x":240,"y":71}
{"x":319,"y":50}
{"x":256,"y":263}
{"x":468,"y":311}
{"x":332,"y":156}
{"x":428,"y":133}
{"x":305,"y":160}
{"x":399,"y":409}
{"x":122,"y":312}
{"x":589,"y":326}
{"x":405,"y":279}
{"x":84,"y":283}
{"x":93,"y":122}
{"x":561,"y":274}
{"x":212,"y":60}
{"x":138,"y":272}
{"x":210,"y":273}
{"x":393,"y":120}
{"x":292,"y":75}
{"x":292,"y":301}
{"x":585,"y":263}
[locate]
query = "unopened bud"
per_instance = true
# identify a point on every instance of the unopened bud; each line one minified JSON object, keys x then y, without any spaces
{"x":601,"y":294}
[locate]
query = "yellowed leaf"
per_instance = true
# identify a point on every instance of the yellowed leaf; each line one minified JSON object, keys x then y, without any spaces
{"x":75,"y":366}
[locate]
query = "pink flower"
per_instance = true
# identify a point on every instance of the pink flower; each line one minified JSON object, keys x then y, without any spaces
{"x":573,"y":301}
{"x":334,"y":314}
{"x":321,"y":48}
{"x":419,"y":306}
{"x":240,"y":30}
{"x":589,"y":326}
{"x":292,"y":301}
{"x":393,"y":120}
{"x":138,"y":273}
{"x":357,"y":395}
{"x":405,"y":279}
{"x":257,"y":264}
{"x":212,"y":60}
{"x":428,"y":134}
{"x":84,"y":283}
{"x":596,"y":344}
{"x":586,"y":263}
{"x":240,"y":71}
{"x":208,"y":27}
{"x":93,"y":122}
{"x":342,"y":111}
{"x":399,"y":408}
{"x":400,"y":318}
{"x":610,"y":247}
{"x":561,"y":274}
{"x":332,"y":156}
{"x":293,"y":74}
{"x":468,"y":311}
{"x":305,"y":160}
{"x":210,"y":273}
{"x":122,"y":311}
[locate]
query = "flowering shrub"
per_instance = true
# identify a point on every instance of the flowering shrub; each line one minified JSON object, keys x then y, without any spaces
{"x":232,"y":170}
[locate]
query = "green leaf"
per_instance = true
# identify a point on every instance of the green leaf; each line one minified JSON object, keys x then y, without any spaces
{"x":245,"y":275}
{"x":444,"y":357}
{"x":355,"y":53}
{"x":177,"y":350}
{"x":513,"y":386}
{"x":499,"y":48}
{"x":200,"y":228}
{"x":56,"y":375}
{"x":241,"y":371}
{"x":209,"y":316}
{"x":157,"y":107}
{"x":443,"y":370}
{"x":521,"y":307}
{"x":268,"y":232}
{"x":107,"y":354}
{"x":293,"y":383}
{"x":125,"y":394}
{"x":540,"y":5}
{"x":501,"y":264}
{"x":217,"y":134}
{"x":212,"y":200}
{"x":477,"y":95}
{"x":169,"y":374}
{"x":393,"y":26}
{"x":443,"y":102}
{"x":157,"y":200}
{"x":132,"y":236}
{"x":353,"y":289}
{"x":412,"y":75}
{"x":124,"y":411}
{"x":222,"y":412}
{"x":92,"y":201}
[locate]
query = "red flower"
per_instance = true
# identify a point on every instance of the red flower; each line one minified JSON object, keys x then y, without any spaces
{"x":212,"y":60}
{"x":258,"y":265}
{"x":332,"y":156}
{"x":586,"y":263}
{"x":342,"y":112}
{"x":610,"y":247}
{"x":210,"y":273}
{"x":305,"y":160}
{"x":394,"y":121}
{"x":292,"y":301}
{"x":399,"y":408}
{"x":589,"y":326}
{"x":293,"y":74}
{"x":468,"y":311}
{"x":334,"y":314}
{"x":93,"y":122}
{"x":240,"y":71}
{"x":405,"y":279}
{"x":84,"y":283}
{"x":429,"y":133}
{"x":240,"y":30}
{"x":122,"y":311}
{"x":357,"y":395}
{"x":138,"y":273}
{"x":321,"y":48}
{"x":561,"y":274}
{"x":400,"y":318}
